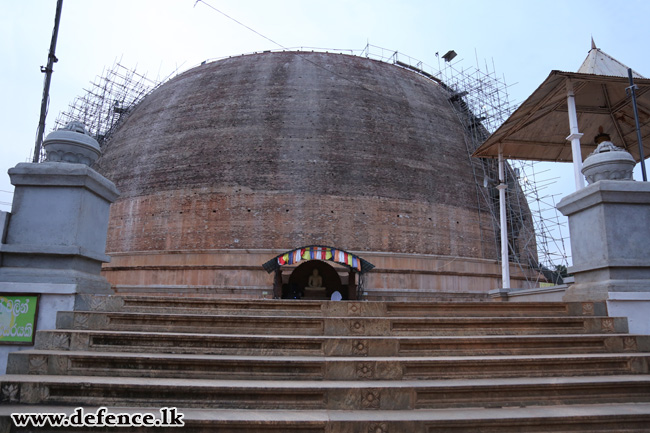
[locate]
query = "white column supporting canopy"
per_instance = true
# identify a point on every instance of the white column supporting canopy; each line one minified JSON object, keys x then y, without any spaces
{"x":574,"y":137}
{"x":505,"y":262}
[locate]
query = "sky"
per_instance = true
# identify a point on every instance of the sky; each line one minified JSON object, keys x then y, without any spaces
{"x":524,"y":40}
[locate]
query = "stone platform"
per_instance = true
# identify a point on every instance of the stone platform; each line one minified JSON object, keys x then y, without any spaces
{"x":239,"y":274}
{"x":349,"y":367}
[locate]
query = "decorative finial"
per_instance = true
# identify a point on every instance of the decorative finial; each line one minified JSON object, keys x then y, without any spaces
{"x":607,"y":162}
{"x":593,"y":44}
{"x":75,"y":126}
{"x":72,"y":144}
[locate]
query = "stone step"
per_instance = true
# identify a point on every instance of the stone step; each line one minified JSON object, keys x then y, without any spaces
{"x":577,"y":418}
{"x":275,"y":345}
{"x":191,"y":291}
{"x":293,"y":308}
{"x":330,"y":395}
{"x":601,"y":418}
{"x":349,"y":367}
{"x":415,"y":295}
{"x":361,"y":326}
{"x":291,"y":368}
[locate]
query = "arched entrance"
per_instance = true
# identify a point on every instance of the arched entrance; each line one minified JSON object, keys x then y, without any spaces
{"x":315,"y":257}
{"x":331,"y":281}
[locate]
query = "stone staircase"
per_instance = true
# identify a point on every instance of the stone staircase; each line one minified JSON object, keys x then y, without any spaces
{"x":350,"y":367}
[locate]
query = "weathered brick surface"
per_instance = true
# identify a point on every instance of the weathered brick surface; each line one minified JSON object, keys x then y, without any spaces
{"x":277,"y":150}
{"x":205,"y":219}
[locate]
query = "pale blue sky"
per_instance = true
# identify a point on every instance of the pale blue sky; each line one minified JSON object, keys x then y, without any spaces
{"x":525,"y":39}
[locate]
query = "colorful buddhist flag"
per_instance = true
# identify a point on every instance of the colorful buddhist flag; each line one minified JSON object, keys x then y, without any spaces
{"x":320,"y":253}
{"x":296,"y":256}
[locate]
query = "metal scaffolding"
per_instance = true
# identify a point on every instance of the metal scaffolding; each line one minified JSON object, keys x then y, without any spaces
{"x":107,"y":101}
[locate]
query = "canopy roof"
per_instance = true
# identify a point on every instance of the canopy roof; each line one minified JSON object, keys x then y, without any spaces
{"x":600,"y":63}
{"x":538,"y":129}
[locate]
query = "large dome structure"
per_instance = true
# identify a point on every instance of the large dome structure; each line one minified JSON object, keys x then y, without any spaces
{"x":238,"y":160}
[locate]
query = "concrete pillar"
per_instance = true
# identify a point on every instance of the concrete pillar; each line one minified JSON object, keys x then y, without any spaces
{"x":277,"y":284}
{"x":57,"y":229}
{"x":609,"y":222}
{"x":55,"y":238}
{"x":352,"y":286}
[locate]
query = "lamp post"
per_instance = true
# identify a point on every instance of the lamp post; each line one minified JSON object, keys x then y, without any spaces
{"x":632,"y":92}
{"x":51,"y":59}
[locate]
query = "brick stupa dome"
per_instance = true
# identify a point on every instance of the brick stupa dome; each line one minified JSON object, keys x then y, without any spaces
{"x":271,"y":151}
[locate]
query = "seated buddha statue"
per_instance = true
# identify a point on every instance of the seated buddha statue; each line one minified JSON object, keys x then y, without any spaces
{"x":315,"y":281}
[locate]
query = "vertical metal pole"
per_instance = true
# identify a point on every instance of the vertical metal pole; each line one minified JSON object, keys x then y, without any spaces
{"x":505,"y":262}
{"x":632,"y":91}
{"x":575,"y":138}
{"x":51,"y":59}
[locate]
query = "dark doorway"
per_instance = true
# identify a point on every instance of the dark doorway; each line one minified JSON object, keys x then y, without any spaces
{"x":331,"y":281}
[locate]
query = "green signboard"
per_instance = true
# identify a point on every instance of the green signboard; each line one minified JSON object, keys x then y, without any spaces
{"x":18,"y":313}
